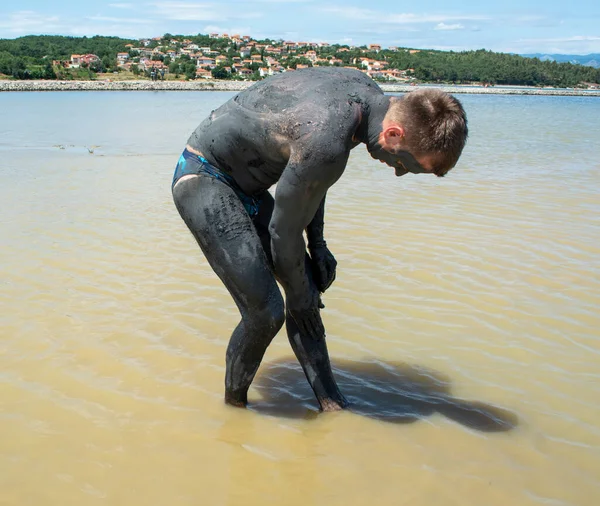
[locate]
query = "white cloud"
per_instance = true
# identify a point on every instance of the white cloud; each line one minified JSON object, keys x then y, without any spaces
{"x":356,"y":13}
{"x":28,"y":22}
{"x":231,"y":30}
{"x":108,"y":19}
{"x":186,"y":11}
{"x":576,"y":44}
{"x":444,"y":26}
{"x":205,"y":11}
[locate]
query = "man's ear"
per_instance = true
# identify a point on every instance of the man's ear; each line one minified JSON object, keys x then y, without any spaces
{"x":392,"y":137}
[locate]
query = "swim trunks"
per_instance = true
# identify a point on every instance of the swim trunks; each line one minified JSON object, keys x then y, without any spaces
{"x":191,"y":163}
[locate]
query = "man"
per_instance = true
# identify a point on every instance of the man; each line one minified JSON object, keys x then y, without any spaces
{"x":296,"y":129}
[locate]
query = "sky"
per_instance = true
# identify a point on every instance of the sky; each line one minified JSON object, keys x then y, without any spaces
{"x":513,"y":26}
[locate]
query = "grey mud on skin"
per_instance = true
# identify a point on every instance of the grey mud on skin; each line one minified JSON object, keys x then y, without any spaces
{"x":295,"y":129}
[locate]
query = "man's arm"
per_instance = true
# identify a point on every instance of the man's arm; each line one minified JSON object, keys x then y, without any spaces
{"x":323,"y":262}
{"x":300,"y":192}
{"x":314,"y":231}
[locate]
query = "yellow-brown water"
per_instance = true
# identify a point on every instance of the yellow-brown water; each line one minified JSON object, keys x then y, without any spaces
{"x":463,"y":324}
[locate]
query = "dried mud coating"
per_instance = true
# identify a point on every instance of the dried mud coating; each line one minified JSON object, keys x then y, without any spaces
{"x":295,"y":129}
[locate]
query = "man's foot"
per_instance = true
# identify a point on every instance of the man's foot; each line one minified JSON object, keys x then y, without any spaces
{"x":331,"y":405}
{"x":236,"y":400}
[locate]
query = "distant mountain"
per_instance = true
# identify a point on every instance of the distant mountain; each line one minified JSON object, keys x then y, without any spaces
{"x":589,"y":60}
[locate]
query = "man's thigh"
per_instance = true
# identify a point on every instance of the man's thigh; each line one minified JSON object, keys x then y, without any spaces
{"x":221,"y":225}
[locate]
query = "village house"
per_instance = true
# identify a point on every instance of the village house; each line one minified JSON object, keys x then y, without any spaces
{"x":144,"y":52}
{"x":205,"y":61}
{"x":245,"y":72}
{"x":214,"y":35}
{"x":219,"y":60}
{"x":122,"y":58}
{"x":374,"y":47}
{"x":203,"y":73}
{"x":77,"y":60}
{"x":377,"y":65}
{"x":311,"y":55}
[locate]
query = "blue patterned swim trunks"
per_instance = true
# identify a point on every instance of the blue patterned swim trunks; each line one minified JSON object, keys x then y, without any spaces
{"x":191,"y":163}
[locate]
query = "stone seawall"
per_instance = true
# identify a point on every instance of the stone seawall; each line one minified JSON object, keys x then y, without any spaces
{"x":10,"y":85}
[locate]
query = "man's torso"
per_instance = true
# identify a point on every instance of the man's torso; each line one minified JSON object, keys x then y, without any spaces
{"x":253,"y":135}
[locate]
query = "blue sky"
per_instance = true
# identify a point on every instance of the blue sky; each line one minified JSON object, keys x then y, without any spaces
{"x":519,"y":26}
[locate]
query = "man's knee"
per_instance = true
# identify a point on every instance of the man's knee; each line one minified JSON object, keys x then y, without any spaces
{"x":271,"y":317}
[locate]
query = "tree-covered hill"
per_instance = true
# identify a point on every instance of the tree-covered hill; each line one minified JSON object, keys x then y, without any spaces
{"x":495,"y":68}
{"x":32,"y":57}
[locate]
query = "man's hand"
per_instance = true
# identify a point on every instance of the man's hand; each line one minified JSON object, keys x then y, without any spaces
{"x":306,"y":313}
{"x":323,"y":267}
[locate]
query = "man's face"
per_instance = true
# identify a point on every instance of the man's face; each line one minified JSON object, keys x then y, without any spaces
{"x":425,"y":164}
{"x":404,"y":162}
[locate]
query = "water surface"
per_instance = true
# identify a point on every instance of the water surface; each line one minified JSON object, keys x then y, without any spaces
{"x":463,"y":323}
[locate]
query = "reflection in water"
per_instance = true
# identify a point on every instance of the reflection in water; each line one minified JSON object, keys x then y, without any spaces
{"x":390,"y":392}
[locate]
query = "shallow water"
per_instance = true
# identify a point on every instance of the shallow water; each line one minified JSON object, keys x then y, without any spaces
{"x":463,"y":323}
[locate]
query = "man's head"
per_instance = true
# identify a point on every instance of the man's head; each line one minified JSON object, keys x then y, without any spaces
{"x":423,"y":131}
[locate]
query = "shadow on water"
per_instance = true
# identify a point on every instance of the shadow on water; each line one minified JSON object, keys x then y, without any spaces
{"x":390,"y":392}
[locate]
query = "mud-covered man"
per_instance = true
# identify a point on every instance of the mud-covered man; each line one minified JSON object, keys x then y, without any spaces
{"x":296,"y":129}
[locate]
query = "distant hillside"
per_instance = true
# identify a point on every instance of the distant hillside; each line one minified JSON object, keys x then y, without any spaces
{"x":589,"y":60}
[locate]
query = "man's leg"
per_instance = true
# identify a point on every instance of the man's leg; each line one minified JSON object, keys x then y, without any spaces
{"x":226,"y":235}
{"x":312,"y":354}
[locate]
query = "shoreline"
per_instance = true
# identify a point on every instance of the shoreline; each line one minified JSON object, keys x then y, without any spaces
{"x":10,"y":85}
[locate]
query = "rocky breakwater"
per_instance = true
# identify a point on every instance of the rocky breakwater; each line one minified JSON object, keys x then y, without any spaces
{"x":492,"y":90}
{"x":9,"y":85}
{"x":204,"y":85}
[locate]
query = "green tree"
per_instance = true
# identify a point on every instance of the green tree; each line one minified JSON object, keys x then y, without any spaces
{"x":219,"y":73}
{"x":189,"y":70}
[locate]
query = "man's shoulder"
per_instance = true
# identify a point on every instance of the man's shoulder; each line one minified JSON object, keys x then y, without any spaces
{"x":313,"y":83}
